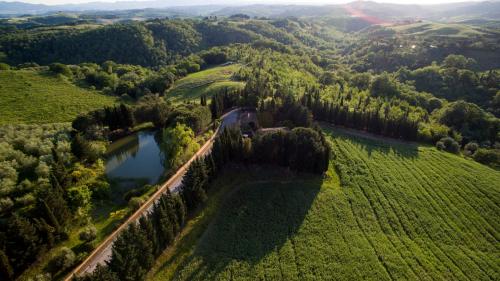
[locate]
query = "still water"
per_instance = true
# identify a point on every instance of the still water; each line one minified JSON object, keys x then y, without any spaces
{"x":135,"y":157}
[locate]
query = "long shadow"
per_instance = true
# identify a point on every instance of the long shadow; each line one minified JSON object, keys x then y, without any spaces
{"x":256,"y":219}
{"x":372,"y":143}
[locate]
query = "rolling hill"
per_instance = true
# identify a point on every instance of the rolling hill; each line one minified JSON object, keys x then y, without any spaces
{"x":395,"y":211}
{"x":206,"y":82}
{"x":37,"y":97}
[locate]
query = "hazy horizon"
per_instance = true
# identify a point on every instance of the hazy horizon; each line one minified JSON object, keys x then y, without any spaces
{"x":243,"y":2}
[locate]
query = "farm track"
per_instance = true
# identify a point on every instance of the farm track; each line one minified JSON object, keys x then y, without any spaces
{"x":402,"y":212}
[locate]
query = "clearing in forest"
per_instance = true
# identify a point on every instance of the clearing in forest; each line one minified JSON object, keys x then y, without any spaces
{"x":398,"y":211}
{"x":206,"y":82}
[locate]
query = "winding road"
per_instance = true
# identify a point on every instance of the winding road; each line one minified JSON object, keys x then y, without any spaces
{"x":103,"y":252}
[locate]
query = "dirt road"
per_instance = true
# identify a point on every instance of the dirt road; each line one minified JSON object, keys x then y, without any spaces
{"x":103,"y":252}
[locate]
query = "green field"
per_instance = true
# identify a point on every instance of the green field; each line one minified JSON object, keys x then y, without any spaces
{"x":439,"y":29}
{"x":399,"y":211}
{"x":29,"y":96}
{"x":205,"y":82}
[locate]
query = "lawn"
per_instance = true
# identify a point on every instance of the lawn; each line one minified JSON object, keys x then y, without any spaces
{"x":206,"y":82}
{"x":397,"y":211}
{"x":37,"y":97}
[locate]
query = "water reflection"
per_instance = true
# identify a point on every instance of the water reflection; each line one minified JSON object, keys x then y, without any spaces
{"x":135,"y":157}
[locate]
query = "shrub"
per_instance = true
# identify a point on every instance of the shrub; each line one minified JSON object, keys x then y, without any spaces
{"x":488,"y":156}
{"x":89,"y":233}
{"x":4,"y":66}
{"x":65,"y":259}
{"x":5,"y":204}
{"x":101,"y":189}
{"x":59,"y":68}
{"x":470,"y":148}
{"x":135,"y":203}
{"x":448,"y":144}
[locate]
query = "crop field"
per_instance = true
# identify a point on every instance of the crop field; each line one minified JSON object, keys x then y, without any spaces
{"x":36,"y":97}
{"x":206,"y":82}
{"x":384,"y":211}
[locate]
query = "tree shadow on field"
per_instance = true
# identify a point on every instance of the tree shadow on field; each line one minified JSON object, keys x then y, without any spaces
{"x":256,"y":219}
{"x":374,"y":143}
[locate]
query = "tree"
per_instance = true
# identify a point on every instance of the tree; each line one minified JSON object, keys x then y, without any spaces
{"x":60,"y":68}
{"x":194,"y":183}
{"x":127,"y":117}
{"x":177,"y":142}
{"x":83,"y":150}
{"x":458,"y":61}
{"x":23,"y":242}
{"x":89,"y":233}
{"x":6,"y":270}
{"x":132,"y":254}
{"x":52,"y":206}
{"x":384,"y":85}
{"x":448,"y":144}
{"x":63,"y":260}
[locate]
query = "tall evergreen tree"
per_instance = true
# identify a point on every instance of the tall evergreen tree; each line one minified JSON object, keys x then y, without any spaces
{"x":23,"y":242}
{"x":6,"y":270}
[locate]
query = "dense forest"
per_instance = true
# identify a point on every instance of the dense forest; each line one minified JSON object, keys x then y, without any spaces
{"x":412,"y":83}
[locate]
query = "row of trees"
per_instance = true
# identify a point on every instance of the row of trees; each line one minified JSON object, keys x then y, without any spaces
{"x":136,"y":248}
{"x":133,"y":253}
{"x":112,"y":122}
{"x":375,"y":120}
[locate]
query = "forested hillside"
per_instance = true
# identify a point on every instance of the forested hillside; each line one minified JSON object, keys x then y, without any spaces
{"x":388,"y":121}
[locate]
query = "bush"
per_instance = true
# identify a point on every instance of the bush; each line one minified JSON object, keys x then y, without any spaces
{"x":101,"y":189}
{"x":89,"y":233}
{"x":59,"y":68}
{"x":488,"y":156}
{"x":64,"y":260}
{"x":135,"y":203}
{"x":136,"y":192}
{"x":87,"y":247}
{"x":5,"y":204}
{"x":448,"y":144}
{"x":470,"y":148}
{"x":4,"y":66}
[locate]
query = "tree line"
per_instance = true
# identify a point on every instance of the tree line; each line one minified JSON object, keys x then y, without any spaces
{"x":133,"y":252}
{"x":136,"y":248}
{"x":376,"y":120}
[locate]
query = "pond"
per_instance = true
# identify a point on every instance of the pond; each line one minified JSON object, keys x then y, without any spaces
{"x":134,"y":158}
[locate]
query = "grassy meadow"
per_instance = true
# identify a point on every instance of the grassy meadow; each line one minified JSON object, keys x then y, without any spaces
{"x":206,"y":82}
{"x":37,"y":97}
{"x":384,"y":211}
{"x":438,"y":29}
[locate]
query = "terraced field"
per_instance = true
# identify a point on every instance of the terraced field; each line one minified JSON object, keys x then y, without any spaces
{"x":398,"y":211}
{"x":30,"y":96}
{"x":205,"y":82}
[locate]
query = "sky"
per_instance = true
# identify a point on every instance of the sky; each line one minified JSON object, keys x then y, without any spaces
{"x":231,"y":2}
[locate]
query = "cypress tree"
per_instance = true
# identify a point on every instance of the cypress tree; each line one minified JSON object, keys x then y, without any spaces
{"x":6,"y":270}
{"x":23,"y":242}
{"x":132,"y":254}
{"x":82,"y":149}
{"x":127,"y":117}
{"x":146,"y":226}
